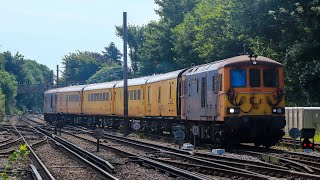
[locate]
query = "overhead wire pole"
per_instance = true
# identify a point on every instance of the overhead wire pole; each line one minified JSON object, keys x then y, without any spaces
{"x":125,"y":77}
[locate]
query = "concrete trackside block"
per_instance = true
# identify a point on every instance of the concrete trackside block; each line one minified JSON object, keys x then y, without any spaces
{"x":218,"y":151}
{"x":188,"y":147}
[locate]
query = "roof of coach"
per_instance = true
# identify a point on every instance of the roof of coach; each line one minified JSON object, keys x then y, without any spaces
{"x":166,"y":76}
{"x":52,"y":90}
{"x":133,"y":82}
{"x":106,"y":85}
{"x":71,"y":88}
{"x":243,"y":60}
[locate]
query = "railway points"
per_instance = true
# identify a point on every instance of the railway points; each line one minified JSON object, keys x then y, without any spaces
{"x":172,"y":157}
{"x":267,"y":169}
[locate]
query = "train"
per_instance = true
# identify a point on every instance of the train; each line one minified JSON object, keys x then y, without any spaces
{"x":231,"y":101}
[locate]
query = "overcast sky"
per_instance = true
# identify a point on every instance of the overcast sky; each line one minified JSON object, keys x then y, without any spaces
{"x":45,"y":30}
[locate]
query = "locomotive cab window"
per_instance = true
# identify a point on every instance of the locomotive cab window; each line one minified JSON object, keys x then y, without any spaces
{"x":238,"y":77}
{"x":255,"y":80}
{"x":270,"y":78}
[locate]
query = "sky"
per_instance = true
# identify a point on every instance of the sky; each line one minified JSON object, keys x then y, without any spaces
{"x":45,"y":31}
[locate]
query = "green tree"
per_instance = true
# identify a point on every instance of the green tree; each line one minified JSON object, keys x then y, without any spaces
{"x":81,"y":66}
{"x":2,"y":105}
{"x":8,"y":84}
{"x":136,"y":37}
{"x":173,"y":11}
{"x":112,"y":54}
{"x":108,"y":73}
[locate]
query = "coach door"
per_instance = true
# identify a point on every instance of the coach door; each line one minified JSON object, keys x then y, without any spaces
{"x":148,"y":100}
{"x":159,"y":100}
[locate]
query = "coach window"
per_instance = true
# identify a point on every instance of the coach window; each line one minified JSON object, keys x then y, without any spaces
{"x":135,"y":95}
{"x":255,"y":80}
{"x":131,"y":95}
{"x":139,"y":94}
{"x":270,"y":78}
{"x":95,"y":97}
{"x":107,"y":96}
{"x":104,"y":96}
{"x":92,"y":97}
{"x":238,"y":77}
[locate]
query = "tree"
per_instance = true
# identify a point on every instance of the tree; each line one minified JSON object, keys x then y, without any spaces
{"x":81,"y":66}
{"x":8,"y":85}
{"x":112,"y":54}
{"x":108,"y":73}
{"x":2,"y":105}
{"x":173,"y":11}
{"x":136,"y":38}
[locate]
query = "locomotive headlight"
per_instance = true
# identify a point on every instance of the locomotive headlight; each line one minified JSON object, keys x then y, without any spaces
{"x":278,"y":110}
{"x":233,"y":110}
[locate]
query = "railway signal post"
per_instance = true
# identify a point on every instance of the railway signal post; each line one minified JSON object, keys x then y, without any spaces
{"x":294,"y":134}
{"x":98,"y":134}
{"x":306,"y":144}
{"x":195,"y":132}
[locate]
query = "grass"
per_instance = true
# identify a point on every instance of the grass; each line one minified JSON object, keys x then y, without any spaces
{"x":317,"y":137}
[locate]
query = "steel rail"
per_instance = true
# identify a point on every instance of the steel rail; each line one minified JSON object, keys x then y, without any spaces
{"x":257,"y":168}
{"x":133,"y":156}
{"x":71,"y":150}
{"x":92,"y":159}
{"x":44,"y":171}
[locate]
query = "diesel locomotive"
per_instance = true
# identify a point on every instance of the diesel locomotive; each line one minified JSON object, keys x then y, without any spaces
{"x":234,"y":100}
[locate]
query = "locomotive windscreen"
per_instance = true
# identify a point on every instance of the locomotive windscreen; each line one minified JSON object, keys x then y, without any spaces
{"x":238,"y":77}
{"x":270,"y":78}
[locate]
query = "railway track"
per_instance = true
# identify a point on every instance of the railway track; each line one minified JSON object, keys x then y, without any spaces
{"x":207,"y":163}
{"x":160,"y":166}
{"x":146,"y":157}
{"x":59,"y":161}
{"x":168,"y":156}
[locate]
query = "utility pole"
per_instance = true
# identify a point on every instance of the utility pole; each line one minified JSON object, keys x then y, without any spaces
{"x":57,"y":76}
{"x":125,"y":77}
